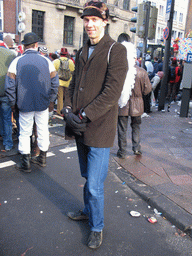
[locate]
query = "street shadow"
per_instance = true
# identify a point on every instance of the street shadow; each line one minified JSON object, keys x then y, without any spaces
{"x":58,"y":195}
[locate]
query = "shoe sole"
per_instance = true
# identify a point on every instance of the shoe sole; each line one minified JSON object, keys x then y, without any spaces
{"x":77,"y":218}
{"x":36,"y":162}
{"x":23,"y":170}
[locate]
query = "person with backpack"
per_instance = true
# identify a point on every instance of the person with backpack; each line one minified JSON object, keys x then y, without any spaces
{"x":171,"y":83}
{"x":65,"y":68}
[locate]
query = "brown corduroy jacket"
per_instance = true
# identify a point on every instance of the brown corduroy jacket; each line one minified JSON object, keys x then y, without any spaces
{"x":96,"y":87}
{"x":135,"y":105}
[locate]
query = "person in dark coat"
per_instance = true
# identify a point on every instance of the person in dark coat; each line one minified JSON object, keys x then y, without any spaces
{"x":91,"y":109}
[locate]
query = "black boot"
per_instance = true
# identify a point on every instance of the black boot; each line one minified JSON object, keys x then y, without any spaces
{"x":40,"y":159}
{"x":24,"y":166}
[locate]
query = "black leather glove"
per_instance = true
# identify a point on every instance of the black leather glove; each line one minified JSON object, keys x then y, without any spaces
{"x":73,"y":121}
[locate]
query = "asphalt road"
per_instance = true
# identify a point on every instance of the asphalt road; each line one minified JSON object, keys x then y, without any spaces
{"x":34,"y":206}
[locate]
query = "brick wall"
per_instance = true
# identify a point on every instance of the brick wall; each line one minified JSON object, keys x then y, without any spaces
{"x":9,"y":7}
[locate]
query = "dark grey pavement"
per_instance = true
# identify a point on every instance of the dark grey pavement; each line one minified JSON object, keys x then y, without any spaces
{"x":33,"y":207}
{"x":165,"y":167}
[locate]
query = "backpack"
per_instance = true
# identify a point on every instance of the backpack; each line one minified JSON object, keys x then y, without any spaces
{"x":172,"y":74}
{"x":64,"y":72}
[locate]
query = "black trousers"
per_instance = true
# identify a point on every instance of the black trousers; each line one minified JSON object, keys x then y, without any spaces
{"x":122,"y":133}
{"x":147,"y":103}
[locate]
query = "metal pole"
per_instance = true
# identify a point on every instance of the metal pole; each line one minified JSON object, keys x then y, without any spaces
{"x":166,"y":60}
{"x":147,"y":14}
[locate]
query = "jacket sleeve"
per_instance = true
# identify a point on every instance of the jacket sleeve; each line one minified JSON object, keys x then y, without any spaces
{"x":113,"y":85}
{"x":10,"y":82}
{"x":10,"y":88}
{"x":54,"y":86}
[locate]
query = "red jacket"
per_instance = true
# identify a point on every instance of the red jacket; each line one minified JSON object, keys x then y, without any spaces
{"x":177,"y":77}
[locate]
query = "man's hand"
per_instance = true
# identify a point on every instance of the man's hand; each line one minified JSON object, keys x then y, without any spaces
{"x":73,"y":121}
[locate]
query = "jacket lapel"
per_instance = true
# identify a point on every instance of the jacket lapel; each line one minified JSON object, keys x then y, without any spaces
{"x":84,"y":55}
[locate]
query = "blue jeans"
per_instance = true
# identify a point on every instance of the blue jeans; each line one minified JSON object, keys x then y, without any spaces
{"x":94,"y":167}
{"x":6,"y":123}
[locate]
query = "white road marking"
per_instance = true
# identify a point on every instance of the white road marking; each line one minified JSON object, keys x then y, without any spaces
{"x":67,"y":150}
{"x":50,"y":154}
{"x":7,"y":164}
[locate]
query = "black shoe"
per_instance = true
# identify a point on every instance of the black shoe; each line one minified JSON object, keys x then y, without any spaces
{"x":24,"y":166}
{"x":40,"y":159}
{"x":120,"y":155}
{"x":77,"y":215}
{"x":95,"y":239}
{"x":168,"y":108}
{"x":137,"y":152}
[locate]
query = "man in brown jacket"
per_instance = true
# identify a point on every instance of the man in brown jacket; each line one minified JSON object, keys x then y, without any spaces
{"x":135,"y":106}
{"x":91,"y":110}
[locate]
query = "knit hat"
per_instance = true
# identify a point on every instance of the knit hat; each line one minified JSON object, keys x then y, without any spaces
{"x":43,"y":49}
{"x":96,"y":8}
{"x":8,"y":40}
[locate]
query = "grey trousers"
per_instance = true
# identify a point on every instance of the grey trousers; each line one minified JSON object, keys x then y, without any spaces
{"x":122,"y":133}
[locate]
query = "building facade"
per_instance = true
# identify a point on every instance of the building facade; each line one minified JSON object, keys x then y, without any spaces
{"x":58,"y":23}
{"x":179,"y":18}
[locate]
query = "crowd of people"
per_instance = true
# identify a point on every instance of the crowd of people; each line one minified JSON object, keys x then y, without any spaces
{"x":97,"y":89}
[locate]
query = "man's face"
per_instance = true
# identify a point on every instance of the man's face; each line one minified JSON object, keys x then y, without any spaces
{"x":95,"y":27}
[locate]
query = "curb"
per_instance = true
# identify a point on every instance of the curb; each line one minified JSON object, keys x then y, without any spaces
{"x":170,"y":210}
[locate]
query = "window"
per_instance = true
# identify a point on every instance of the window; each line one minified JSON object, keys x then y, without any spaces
{"x":126,"y":4}
{"x":174,"y":34}
{"x":38,"y":24}
{"x":68,"y":30}
{"x":180,"y":34}
{"x":181,"y":17}
{"x":1,"y":15}
{"x":175,"y":15}
{"x":161,"y":10}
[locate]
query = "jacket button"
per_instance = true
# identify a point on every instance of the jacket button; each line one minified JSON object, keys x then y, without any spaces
{"x":81,"y":89}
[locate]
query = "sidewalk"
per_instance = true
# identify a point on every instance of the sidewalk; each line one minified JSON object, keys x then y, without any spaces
{"x":164,"y":171}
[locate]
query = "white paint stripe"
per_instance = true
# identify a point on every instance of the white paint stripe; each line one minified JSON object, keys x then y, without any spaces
{"x":50,"y":154}
{"x":59,"y":117}
{"x":55,"y":125}
{"x":67,"y":150}
{"x":7,"y":164}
